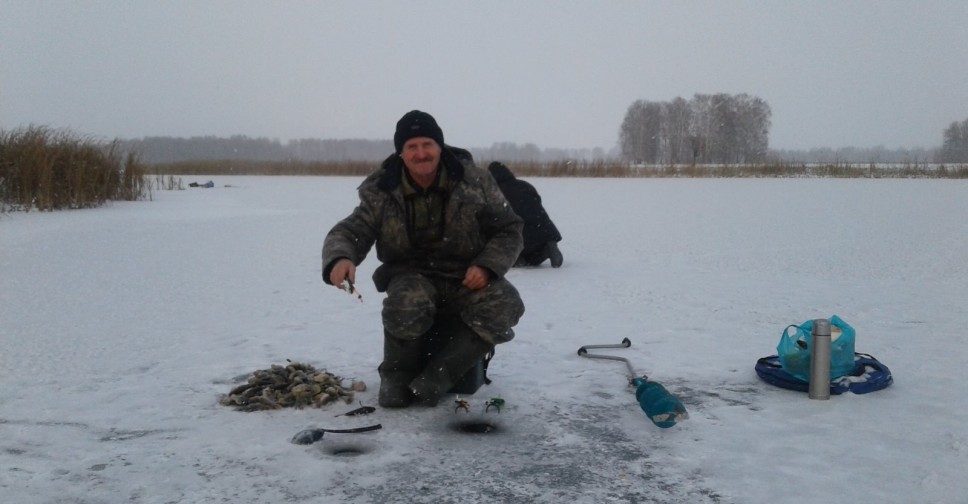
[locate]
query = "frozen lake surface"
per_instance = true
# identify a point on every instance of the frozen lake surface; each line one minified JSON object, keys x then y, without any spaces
{"x":121,"y":328}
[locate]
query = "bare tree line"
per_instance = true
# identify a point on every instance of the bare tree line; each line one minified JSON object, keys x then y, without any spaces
{"x":856,"y":155}
{"x":718,"y":128}
{"x":155,"y":150}
{"x":709,"y":129}
{"x":954,"y":148}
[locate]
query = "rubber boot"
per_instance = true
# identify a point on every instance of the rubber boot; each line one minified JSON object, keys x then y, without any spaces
{"x":402,"y":362}
{"x":447,"y":366}
{"x":554,"y":254}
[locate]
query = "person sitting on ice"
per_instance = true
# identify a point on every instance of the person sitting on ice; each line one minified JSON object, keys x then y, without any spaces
{"x":445,"y":236}
{"x":540,"y":234}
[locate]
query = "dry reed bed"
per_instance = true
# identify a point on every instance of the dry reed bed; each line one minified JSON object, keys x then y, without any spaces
{"x":46,"y":169}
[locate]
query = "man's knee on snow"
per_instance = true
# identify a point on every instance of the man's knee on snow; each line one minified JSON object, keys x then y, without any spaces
{"x":409,"y":310}
{"x":495,"y":312}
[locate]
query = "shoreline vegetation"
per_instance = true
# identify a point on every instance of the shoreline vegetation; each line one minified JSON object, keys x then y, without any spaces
{"x":606,"y":168}
{"x":46,"y":169}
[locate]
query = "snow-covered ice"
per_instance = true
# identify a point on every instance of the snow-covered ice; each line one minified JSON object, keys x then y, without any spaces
{"x":121,"y":327}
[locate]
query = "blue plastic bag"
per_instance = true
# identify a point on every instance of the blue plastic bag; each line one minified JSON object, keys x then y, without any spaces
{"x":793,"y":349}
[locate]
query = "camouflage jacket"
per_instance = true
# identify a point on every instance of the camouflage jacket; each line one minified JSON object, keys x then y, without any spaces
{"x":480,"y":228}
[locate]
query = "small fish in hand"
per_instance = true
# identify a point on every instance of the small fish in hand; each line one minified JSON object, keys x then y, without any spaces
{"x":350,"y":288}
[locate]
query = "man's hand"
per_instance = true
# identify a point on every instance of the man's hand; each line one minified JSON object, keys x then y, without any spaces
{"x":342,"y":270}
{"x":475,"y":278}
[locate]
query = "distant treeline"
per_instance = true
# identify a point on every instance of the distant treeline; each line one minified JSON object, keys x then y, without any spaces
{"x":955,"y":146}
{"x":855,"y":155}
{"x":163,"y":150}
{"x":166,"y":150}
{"x":718,"y":128}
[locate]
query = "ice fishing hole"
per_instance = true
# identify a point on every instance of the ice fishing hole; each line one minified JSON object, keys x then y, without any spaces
{"x":346,"y":450}
{"x":477,"y":427}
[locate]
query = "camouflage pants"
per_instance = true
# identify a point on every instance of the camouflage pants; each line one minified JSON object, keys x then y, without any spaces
{"x":414,"y":302}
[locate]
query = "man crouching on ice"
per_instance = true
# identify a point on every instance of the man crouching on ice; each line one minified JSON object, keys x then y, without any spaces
{"x":445,"y":237}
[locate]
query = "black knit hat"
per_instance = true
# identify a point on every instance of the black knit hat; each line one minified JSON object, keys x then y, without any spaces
{"x":417,"y":124}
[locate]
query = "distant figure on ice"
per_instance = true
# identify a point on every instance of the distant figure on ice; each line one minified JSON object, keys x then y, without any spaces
{"x":445,"y":237}
{"x":541,"y":237}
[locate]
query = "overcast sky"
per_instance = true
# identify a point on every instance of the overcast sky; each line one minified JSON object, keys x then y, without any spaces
{"x":556,"y":73}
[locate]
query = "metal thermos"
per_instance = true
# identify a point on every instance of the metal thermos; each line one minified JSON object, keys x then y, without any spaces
{"x":820,"y":360}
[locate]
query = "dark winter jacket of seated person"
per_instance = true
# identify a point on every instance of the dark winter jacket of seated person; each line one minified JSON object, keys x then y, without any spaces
{"x":458,"y":221}
{"x":540,"y":234}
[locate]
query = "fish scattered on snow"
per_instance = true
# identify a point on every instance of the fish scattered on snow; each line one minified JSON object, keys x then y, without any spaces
{"x":295,"y":385}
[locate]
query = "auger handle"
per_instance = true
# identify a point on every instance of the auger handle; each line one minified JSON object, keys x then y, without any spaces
{"x":624,"y":344}
{"x":583,"y":352}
